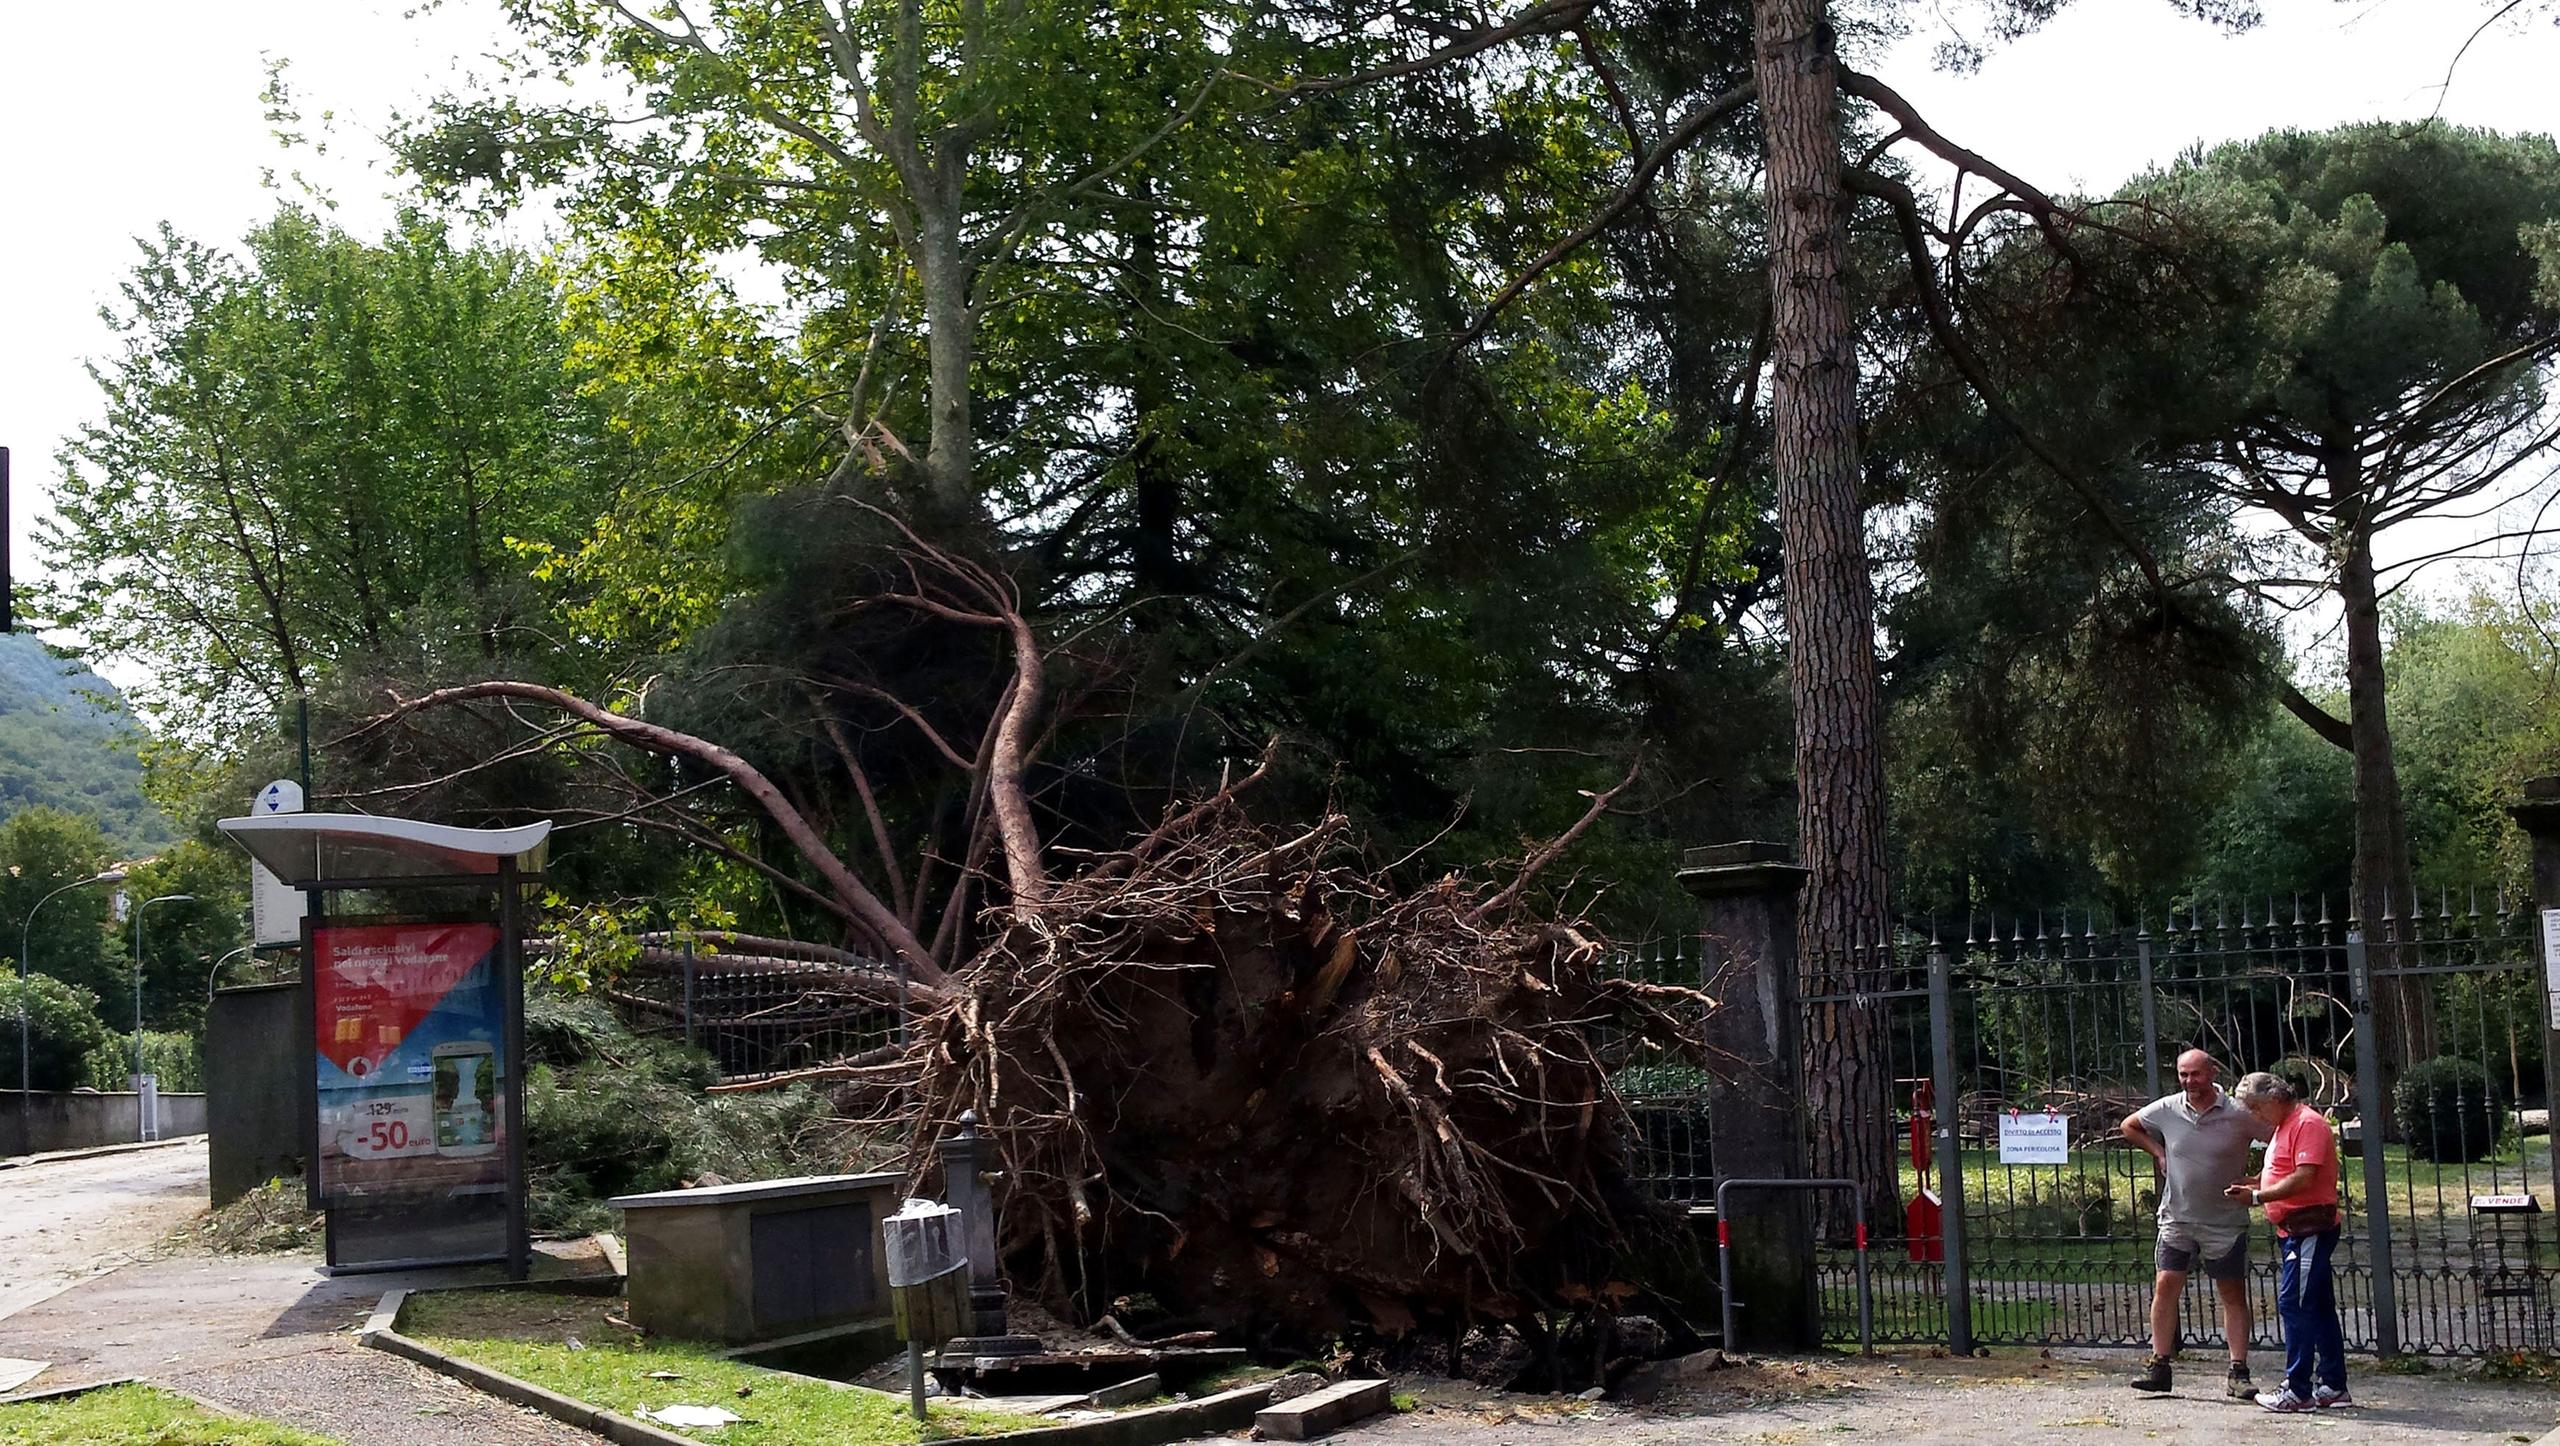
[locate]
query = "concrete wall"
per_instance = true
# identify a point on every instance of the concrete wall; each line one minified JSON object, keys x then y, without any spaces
{"x":80,"y":1119}
{"x":257,"y":1063}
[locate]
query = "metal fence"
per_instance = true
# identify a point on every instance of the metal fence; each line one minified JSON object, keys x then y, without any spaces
{"x":757,"y":1014}
{"x":2074,"y":1022}
{"x":1667,"y":1101}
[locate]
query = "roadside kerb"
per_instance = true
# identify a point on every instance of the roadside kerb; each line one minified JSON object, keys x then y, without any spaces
{"x":65,"y":1393}
{"x":611,"y":1426}
{"x":1153,"y":1426}
{"x":55,"y":1157}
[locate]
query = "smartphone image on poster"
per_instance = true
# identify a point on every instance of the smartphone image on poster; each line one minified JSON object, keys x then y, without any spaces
{"x":466,"y":1099}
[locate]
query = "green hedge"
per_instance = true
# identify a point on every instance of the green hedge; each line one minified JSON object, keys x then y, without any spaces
{"x":2448,"y":1109}
{"x":63,"y":1027}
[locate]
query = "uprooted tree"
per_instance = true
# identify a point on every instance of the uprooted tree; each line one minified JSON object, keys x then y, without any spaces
{"x":1223,"y":1062}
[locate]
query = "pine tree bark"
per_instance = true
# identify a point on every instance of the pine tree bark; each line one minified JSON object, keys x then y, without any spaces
{"x":2385,"y":878}
{"x":1830,"y":599}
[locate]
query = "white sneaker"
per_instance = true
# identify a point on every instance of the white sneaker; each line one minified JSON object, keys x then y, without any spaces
{"x":2325,"y":1397}
{"x":2284,"y":1400}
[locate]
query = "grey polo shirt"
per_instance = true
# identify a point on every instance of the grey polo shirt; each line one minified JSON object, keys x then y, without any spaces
{"x":2208,"y":1150}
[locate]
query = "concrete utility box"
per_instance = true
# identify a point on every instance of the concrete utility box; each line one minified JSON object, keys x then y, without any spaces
{"x":754,"y":1262}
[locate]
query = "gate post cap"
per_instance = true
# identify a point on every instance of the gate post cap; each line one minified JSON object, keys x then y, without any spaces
{"x":1745,"y":866}
{"x":2539,"y":813}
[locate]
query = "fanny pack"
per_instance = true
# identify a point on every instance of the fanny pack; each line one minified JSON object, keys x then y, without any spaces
{"x":2310,"y":1220}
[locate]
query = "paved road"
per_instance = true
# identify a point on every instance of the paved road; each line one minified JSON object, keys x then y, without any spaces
{"x":83,"y":1296}
{"x":62,"y":1221}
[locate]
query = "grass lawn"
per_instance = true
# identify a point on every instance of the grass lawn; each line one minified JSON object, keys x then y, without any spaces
{"x":138,"y":1416}
{"x":529,"y":1335}
{"x":2038,"y":1207}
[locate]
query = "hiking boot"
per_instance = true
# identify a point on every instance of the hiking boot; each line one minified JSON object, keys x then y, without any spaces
{"x":2239,"y":1387}
{"x":2284,"y":1400}
{"x":2155,"y":1374}
{"x":2324,"y":1397}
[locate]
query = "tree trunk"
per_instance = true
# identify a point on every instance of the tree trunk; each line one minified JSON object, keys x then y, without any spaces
{"x":1155,"y":549}
{"x":1830,"y":599}
{"x":950,"y":338}
{"x":2385,"y":887}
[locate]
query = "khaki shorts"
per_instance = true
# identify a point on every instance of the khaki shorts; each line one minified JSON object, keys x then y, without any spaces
{"x":2222,"y":1256}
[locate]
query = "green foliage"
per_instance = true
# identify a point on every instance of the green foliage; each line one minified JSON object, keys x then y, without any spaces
{"x":612,"y":1114}
{"x":66,"y":742}
{"x":64,"y":1032}
{"x":311,"y":459}
{"x":176,"y":1058}
{"x":181,"y":938}
{"x":47,"y":852}
{"x":2470,"y":690}
{"x":2448,"y":1109}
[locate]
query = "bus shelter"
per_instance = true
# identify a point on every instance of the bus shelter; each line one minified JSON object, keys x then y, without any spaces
{"x":414,"y":1097}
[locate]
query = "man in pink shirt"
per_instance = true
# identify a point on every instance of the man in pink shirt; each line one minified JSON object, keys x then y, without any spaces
{"x":2299,"y":1190}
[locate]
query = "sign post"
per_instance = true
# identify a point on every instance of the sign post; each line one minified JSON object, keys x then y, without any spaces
{"x":927,"y":1256}
{"x":275,"y":907}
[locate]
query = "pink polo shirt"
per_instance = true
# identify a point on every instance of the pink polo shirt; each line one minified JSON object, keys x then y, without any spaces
{"x":2302,"y":1141}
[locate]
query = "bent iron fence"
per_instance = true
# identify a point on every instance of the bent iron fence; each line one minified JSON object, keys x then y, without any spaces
{"x":2448,"y":1246}
{"x":758,"y":1013}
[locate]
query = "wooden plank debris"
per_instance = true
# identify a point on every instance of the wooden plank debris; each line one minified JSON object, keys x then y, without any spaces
{"x":1321,"y":1413}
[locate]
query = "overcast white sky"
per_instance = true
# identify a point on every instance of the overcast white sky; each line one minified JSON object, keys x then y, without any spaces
{"x":119,"y":114}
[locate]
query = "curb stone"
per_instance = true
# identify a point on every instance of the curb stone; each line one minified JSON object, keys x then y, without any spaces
{"x":1153,"y":1426}
{"x":94,"y":1152}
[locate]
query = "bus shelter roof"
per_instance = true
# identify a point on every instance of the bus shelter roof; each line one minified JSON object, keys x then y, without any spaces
{"x":307,"y":849}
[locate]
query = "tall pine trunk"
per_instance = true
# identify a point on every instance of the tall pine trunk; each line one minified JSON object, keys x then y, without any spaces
{"x":2385,"y":882}
{"x":1830,"y":599}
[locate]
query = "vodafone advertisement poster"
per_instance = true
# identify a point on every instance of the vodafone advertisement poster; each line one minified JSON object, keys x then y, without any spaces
{"x":409,"y":1020}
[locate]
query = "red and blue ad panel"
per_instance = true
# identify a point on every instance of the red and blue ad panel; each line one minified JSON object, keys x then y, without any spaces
{"x":409,"y":1021}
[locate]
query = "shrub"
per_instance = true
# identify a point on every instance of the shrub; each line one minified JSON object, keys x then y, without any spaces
{"x":2448,"y":1109}
{"x":173,"y":1055}
{"x":63,"y":1028}
{"x":609,"y":1113}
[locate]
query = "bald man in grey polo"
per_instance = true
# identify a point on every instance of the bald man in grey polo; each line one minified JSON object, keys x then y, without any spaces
{"x":2202,"y":1152}
{"x":2201,"y":1137}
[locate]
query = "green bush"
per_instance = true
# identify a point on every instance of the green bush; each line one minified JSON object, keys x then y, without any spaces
{"x":63,"y":1029}
{"x":2448,"y":1109}
{"x":609,"y":1113}
{"x":174,"y":1055}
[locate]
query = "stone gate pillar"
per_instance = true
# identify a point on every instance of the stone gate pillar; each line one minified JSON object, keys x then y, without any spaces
{"x":1755,"y":1094}
{"x":2539,"y":815}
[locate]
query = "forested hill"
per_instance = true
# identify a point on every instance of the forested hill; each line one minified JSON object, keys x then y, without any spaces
{"x":66,"y":740}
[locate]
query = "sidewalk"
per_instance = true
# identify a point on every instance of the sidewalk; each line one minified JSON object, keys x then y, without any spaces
{"x":271,"y":1336}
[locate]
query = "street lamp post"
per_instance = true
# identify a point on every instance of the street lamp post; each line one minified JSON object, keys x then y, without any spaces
{"x":215,"y":972}
{"x":26,"y":937}
{"x":142,"y":1120}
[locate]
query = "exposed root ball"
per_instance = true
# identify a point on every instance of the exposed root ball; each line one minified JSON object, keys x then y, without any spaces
{"x":1226,"y":1070}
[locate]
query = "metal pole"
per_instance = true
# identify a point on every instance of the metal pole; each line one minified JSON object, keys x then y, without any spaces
{"x":216,"y":971}
{"x":142,"y":1121}
{"x":1724,"y":1249}
{"x":26,"y":941}
{"x":511,"y":1037}
{"x":2377,"y":1178}
{"x":1942,"y":1035}
{"x":688,"y":991}
{"x":2150,"y":1019}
